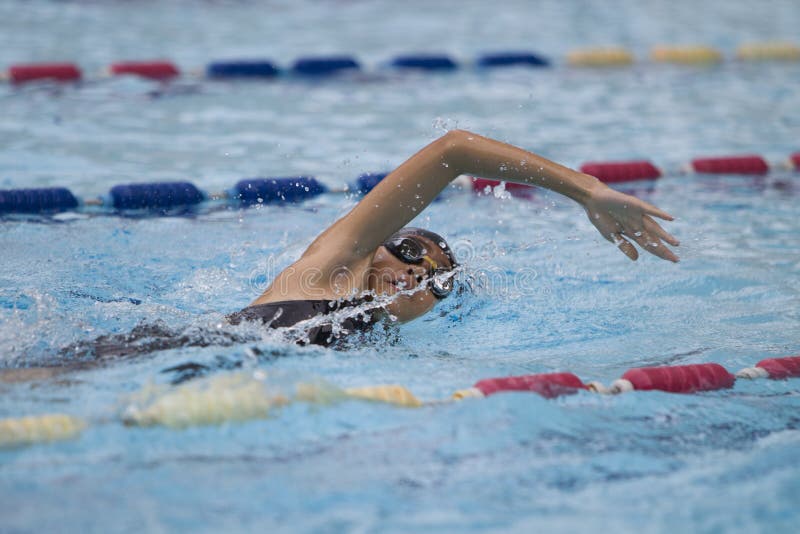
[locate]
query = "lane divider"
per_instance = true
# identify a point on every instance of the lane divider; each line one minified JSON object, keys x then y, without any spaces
{"x":242,"y":69}
{"x":154,"y":70}
{"x":324,"y":66}
{"x":160,"y":198}
{"x":58,"y":72}
{"x":600,"y":57}
{"x":748,"y":164}
{"x":431,"y":62}
{"x":774,"y":368}
{"x":23,"y":431}
{"x":511,"y":59}
{"x":687,"y":55}
{"x":618,"y":172}
{"x":236,"y":397}
{"x":612,"y":172}
{"x":768,"y":52}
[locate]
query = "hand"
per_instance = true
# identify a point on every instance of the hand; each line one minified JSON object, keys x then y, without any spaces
{"x":616,"y":215}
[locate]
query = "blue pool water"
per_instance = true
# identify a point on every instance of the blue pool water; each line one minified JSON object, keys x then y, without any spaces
{"x":544,"y":291}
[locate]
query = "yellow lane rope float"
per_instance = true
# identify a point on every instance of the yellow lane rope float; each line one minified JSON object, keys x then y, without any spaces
{"x":241,"y":397}
{"x":390,"y":394}
{"x":600,"y":57}
{"x":21,"y":431}
{"x":768,"y":52}
{"x":234,"y":397}
{"x":694,"y":55}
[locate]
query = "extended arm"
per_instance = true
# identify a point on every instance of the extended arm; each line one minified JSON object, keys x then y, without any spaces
{"x":406,"y":191}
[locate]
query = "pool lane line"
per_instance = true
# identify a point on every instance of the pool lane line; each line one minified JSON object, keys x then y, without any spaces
{"x":320,"y":67}
{"x":163,"y":198}
{"x":238,"y":397}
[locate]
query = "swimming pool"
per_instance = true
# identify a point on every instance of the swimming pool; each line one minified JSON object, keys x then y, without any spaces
{"x":724,"y":461}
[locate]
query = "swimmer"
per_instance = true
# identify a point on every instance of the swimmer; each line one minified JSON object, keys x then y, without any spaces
{"x":368,"y":254}
{"x":367,"y":266}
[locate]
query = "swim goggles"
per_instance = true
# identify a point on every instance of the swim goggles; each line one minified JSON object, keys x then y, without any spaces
{"x":412,"y":251}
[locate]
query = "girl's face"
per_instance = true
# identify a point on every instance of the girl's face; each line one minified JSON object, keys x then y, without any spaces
{"x":389,"y":275}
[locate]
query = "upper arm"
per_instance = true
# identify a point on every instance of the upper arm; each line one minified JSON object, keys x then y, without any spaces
{"x":391,"y":204}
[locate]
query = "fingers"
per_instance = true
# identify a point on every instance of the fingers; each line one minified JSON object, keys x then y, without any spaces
{"x":625,"y":246}
{"x":654,"y":211}
{"x":654,"y":228}
{"x":648,"y":235}
{"x":653,"y":245}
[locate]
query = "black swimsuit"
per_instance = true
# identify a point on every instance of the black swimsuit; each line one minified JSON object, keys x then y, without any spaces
{"x":290,"y":312}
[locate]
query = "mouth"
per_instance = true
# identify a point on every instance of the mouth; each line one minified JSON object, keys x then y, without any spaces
{"x":400,"y":285}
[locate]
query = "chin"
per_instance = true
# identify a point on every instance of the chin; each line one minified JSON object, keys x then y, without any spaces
{"x":406,"y":309}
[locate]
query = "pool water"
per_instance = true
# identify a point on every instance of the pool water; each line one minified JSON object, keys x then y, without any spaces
{"x":541,"y":290}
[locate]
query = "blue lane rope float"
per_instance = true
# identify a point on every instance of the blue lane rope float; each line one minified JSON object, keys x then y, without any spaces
{"x":367,"y":181}
{"x":42,"y":200}
{"x":155,"y":196}
{"x":276,"y":190}
{"x":324,"y":66}
{"x":256,"y":68}
{"x":512,"y":59}
{"x":164,"y":197}
{"x":424,"y":62}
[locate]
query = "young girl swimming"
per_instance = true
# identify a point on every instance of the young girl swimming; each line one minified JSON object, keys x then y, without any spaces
{"x":368,"y":257}
{"x":367,"y":253}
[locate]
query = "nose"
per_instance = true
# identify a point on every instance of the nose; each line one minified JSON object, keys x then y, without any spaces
{"x":417,"y":272}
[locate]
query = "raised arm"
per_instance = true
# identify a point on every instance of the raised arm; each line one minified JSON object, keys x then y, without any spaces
{"x":407,"y":190}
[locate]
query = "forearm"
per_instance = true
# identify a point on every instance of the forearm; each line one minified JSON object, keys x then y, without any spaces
{"x":410,"y":188}
{"x":487,"y":158}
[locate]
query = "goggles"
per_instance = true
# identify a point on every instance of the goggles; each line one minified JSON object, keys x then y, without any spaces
{"x":412,"y":251}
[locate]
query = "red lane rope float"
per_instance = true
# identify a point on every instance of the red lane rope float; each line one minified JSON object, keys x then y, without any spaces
{"x":794,"y":159}
{"x":548,"y":385}
{"x":678,"y":379}
{"x":62,"y":72}
{"x":155,"y":70}
{"x":479,"y":186}
{"x":621,"y":171}
{"x":749,"y":164}
{"x":779,"y":368}
{"x":775,"y":368}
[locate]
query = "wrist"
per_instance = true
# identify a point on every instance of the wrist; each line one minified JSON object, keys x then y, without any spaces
{"x":584,"y":188}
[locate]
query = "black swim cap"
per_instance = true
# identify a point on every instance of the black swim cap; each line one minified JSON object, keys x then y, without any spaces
{"x":427,"y":234}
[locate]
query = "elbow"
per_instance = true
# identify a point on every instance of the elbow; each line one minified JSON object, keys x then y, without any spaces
{"x":457,"y":139}
{"x":454,"y":144}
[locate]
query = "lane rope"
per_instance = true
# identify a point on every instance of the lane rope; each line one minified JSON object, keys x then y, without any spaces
{"x":240,"y":396}
{"x":326,"y":66}
{"x":166,"y":197}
